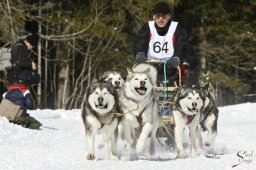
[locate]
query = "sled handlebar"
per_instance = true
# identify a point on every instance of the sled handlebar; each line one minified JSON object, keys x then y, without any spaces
{"x":162,"y":62}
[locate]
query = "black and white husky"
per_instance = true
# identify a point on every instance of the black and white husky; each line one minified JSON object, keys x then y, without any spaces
{"x":113,"y":77}
{"x":139,"y":105}
{"x":195,"y":107}
{"x":209,"y":116}
{"x":98,"y":114}
{"x":189,"y":104}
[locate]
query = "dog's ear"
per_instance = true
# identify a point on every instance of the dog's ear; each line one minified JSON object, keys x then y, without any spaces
{"x":211,"y":88}
{"x":177,"y":93}
{"x":87,"y":92}
{"x":147,"y":71}
{"x":109,"y":80}
{"x":205,"y":86}
{"x":129,"y":70}
{"x":94,"y":80}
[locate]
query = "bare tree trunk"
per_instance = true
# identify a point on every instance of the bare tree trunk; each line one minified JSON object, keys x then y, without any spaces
{"x":39,"y":89}
{"x":66,"y":83}
{"x":203,"y":56}
{"x":46,"y":73}
{"x":11,"y":22}
{"x":54,"y":84}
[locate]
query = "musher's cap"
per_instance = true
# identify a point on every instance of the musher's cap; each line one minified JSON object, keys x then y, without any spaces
{"x":162,"y":8}
{"x":33,"y":39}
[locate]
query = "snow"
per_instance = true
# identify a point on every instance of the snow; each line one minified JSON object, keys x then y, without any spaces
{"x":61,"y":145}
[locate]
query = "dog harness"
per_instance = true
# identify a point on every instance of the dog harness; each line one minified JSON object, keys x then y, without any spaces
{"x":139,"y":117}
{"x":189,"y":117}
{"x":103,"y":124}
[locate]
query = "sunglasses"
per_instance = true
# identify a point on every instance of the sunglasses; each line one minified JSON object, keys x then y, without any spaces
{"x":163,"y":16}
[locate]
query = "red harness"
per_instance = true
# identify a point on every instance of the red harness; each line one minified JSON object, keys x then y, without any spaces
{"x":190,"y":119}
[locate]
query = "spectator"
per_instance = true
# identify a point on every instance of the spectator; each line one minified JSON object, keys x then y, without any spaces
{"x":19,"y":94}
{"x":23,"y":69}
{"x":21,"y":76}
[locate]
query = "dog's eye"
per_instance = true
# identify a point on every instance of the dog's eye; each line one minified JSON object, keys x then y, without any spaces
{"x":105,"y":93}
{"x":119,"y":78}
{"x":96,"y":93}
{"x":189,"y":98}
{"x":145,"y":79}
{"x":136,"y":79}
{"x":197,"y":98}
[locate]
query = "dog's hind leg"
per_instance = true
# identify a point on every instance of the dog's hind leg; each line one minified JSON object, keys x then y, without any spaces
{"x":90,"y":134}
{"x":211,"y":125}
{"x":143,"y":136}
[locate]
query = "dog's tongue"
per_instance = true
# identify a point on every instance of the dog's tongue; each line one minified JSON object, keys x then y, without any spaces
{"x":141,"y":91}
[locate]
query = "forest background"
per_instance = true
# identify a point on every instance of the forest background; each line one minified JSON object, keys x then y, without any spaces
{"x":80,"y":39}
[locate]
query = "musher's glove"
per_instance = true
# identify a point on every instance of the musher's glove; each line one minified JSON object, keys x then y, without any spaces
{"x":173,"y":62}
{"x":140,"y":57}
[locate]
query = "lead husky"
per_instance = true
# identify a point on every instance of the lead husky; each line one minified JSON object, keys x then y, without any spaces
{"x":140,"y":106}
{"x":98,"y":116}
{"x":188,"y":108}
{"x":115,"y":78}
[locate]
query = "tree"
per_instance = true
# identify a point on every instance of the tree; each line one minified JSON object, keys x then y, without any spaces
{"x":223,"y":33}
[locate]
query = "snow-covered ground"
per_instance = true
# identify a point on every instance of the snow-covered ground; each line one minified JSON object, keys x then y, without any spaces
{"x":62,"y":145}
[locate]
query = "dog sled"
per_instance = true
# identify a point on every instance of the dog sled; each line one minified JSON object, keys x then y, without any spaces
{"x":165,"y":133}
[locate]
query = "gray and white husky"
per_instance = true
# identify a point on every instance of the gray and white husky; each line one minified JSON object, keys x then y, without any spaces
{"x":139,"y":105}
{"x":189,"y":104}
{"x":98,"y":114}
{"x":209,"y":116}
{"x":113,"y":77}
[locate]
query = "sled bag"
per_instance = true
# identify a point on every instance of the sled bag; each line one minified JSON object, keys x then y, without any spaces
{"x":10,"y":110}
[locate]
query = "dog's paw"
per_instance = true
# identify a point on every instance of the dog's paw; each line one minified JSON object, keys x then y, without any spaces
{"x":114,"y":157}
{"x":207,"y":144}
{"x":180,"y":155}
{"x":90,"y":157}
{"x":101,"y":145}
{"x":139,"y":147}
{"x":134,"y":157}
{"x":152,"y":150}
{"x":193,"y":154}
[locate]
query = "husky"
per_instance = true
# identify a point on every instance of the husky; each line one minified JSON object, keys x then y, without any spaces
{"x":113,"y":77}
{"x":98,"y":114}
{"x":209,"y":116}
{"x":189,"y":104}
{"x":139,"y":105}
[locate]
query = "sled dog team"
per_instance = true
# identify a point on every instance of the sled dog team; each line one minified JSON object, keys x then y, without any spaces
{"x":115,"y":107}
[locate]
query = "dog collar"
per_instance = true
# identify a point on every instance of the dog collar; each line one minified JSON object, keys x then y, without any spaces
{"x":189,"y":117}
